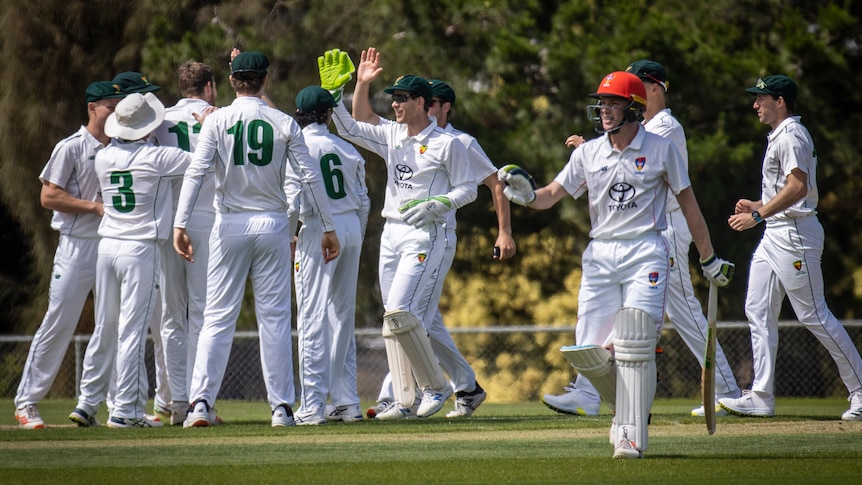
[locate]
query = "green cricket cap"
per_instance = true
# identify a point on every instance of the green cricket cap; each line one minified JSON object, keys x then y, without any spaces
{"x":103,"y":90}
{"x":314,"y":99}
{"x":251,"y":62}
{"x":442,"y":90}
{"x":775,"y":85}
{"x":134,"y":82}
{"x":412,"y":84}
{"x":649,"y":71}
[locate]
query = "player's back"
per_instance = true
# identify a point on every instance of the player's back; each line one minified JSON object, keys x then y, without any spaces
{"x":250,"y":144}
{"x":342,"y":167}
{"x":137,"y":204}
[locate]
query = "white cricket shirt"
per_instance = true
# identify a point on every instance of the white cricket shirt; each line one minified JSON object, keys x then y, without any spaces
{"x":342,"y":169}
{"x":790,"y":146}
{"x":666,"y":125}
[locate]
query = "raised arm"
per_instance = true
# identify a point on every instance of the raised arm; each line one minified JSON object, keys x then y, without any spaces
{"x":368,"y":70}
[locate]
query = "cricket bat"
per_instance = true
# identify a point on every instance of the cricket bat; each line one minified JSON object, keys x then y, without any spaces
{"x":707,"y":379}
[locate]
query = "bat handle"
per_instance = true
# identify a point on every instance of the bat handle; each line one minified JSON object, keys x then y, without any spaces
{"x":712,"y":306}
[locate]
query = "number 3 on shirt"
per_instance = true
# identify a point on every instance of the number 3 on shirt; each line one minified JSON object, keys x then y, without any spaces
{"x":258,"y":141}
{"x":125,"y":202}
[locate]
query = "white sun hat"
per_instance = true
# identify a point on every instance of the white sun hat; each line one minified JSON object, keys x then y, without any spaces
{"x":135,"y":117}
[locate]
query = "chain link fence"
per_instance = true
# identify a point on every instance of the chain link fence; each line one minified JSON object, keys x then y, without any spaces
{"x":804,"y":368}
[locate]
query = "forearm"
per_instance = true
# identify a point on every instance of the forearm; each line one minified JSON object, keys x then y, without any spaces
{"x":362,"y":109}
{"x":57,"y":199}
{"x":501,"y":205}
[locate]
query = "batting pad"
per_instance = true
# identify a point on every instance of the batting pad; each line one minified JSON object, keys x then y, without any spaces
{"x":634,"y":349}
{"x":403,"y":384}
{"x":416,"y":344}
{"x":596,"y":363}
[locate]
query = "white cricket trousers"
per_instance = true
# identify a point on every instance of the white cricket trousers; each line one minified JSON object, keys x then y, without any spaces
{"x":684,"y":309}
{"x":787,"y":261}
{"x":619,"y":273}
{"x":183,"y":300}
{"x":326,"y":313}
{"x":243,"y":246}
{"x":72,"y":278}
{"x":126,"y":298}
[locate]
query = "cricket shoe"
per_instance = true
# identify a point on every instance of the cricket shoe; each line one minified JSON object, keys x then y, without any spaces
{"x":574,"y":401}
{"x":179,"y":411}
{"x":28,"y":417}
{"x":433,"y":400}
{"x":396,"y":411}
{"x":161,"y":411}
{"x":117,"y":422}
{"x":348,"y":413}
{"x":282,"y":416}
{"x":82,"y":419}
{"x":467,"y":402}
{"x":701,"y":411}
{"x":309,"y":418}
{"x":627,"y":449}
{"x":855,"y":411}
{"x":373,"y":411}
{"x":750,"y":404}
{"x":199,"y":415}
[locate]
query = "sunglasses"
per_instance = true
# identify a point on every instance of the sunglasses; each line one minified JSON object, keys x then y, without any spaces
{"x":402,"y":98}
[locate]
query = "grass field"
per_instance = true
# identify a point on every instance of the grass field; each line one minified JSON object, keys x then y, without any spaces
{"x":503,"y":443}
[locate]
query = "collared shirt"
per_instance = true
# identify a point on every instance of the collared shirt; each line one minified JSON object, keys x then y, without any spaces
{"x":137,"y":202}
{"x":342,"y":167}
{"x":259,"y":153}
{"x":181,"y":129}
{"x":627,"y":189}
{"x":71,"y":168}
{"x":431,"y":163}
{"x":666,"y":125}
{"x":790,"y":146}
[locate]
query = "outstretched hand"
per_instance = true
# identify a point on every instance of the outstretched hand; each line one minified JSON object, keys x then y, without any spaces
{"x":369,"y":66}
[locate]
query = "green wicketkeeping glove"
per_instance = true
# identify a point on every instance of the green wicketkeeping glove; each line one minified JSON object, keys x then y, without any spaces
{"x":336,"y":70}
{"x":422,"y":212}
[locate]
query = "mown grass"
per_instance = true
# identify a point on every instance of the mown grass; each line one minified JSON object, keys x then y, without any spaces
{"x":502,"y":443}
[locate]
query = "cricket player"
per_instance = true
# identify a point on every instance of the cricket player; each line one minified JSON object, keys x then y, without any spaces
{"x":626,"y":173}
{"x":69,"y":188}
{"x":183,"y":284}
{"x":259,"y":154}
{"x":429,"y":178}
{"x":137,"y":217}
{"x":787,"y":260}
{"x":326,"y":293}
{"x":682,"y":307}
{"x":469,"y":395}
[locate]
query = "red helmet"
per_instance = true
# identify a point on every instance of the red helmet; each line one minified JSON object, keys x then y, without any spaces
{"x":622,"y":85}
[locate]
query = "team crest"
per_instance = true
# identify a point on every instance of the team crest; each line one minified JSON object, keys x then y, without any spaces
{"x":797,"y":264}
{"x":653,"y":278}
{"x":639,"y":163}
{"x":421,"y":257}
{"x":672,"y":262}
{"x":296,"y":266}
{"x":422,"y":149}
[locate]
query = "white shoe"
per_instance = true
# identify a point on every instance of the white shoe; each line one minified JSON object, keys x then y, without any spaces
{"x":309,"y":418}
{"x":348,"y":413}
{"x":162,"y":411}
{"x":28,"y":417}
{"x":396,"y":411}
{"x":855,"y":411}
{"x":179,"y":411}
{"x":467,"y":402}
{"x":117,"y":422}
{"x":433,"y":400}
{"x":700,"y":411}
{"x":627,"y":449}
{"x":199,"y":416}
{"x":574,"y":401}
{"x":752,"y":403}
{"x":282,"y":416}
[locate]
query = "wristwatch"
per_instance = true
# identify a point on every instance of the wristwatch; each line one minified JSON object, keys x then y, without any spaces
{"x":756,"y":216}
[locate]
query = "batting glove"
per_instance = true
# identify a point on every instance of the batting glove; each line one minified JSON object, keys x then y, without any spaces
{"x":717,"y":270}
{"x":336,"y":70}
{"x":520,"y":186}
{"x":419,"y":213}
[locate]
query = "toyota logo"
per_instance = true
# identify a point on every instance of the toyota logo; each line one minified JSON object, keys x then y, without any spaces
{"x":404,"y":172}
{"x":621,"y":192}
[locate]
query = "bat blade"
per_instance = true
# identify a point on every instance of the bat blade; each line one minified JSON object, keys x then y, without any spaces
{"x":707,"y":380}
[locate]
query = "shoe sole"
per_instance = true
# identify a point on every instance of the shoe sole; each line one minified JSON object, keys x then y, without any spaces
{"x":577,"y":412}
{"x":42,"y":426}
{"x":745,"y":414}
{"x":83,"y":423}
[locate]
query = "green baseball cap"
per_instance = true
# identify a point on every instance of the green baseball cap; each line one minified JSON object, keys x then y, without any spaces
{"x":775,"y":85}
{"x":103,"y":90}
{"x":250,"y":62}
{"x":649,"y":71}
{"x":134,"y":82}
{"x":412,"y":84}
{"x":442,"y":90}
{"x":314,"y":99}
